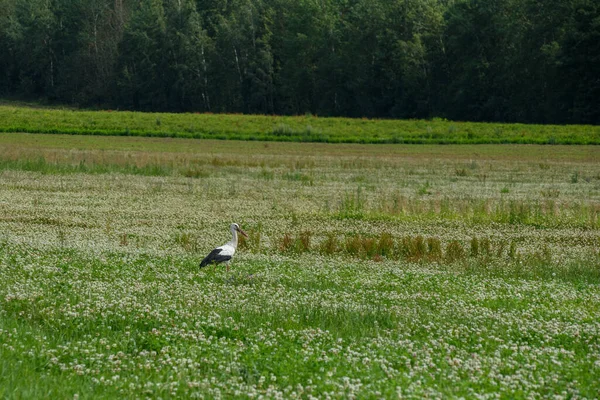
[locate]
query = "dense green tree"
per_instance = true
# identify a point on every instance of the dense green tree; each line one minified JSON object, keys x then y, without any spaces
{"x":478,"y":44}
{"x":243,"y":58}
{"x":7,"y":12}
{"x":30,"y":36}
{"x":296,"y":39}
{"x":502,"y":60}
{"x":142,"y":83}
{"x":579,"y":63}
{"x":535,"y":92}
{"x":186,"y":49}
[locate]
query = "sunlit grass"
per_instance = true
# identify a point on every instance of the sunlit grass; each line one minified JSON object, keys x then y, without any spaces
{"x":19,"y":118}
{"x":369,"y":271}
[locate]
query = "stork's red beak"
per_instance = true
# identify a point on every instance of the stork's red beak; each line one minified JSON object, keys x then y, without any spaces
{"x":242,"y":232}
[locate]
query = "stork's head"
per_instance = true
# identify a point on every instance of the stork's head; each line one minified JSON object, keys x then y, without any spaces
{"x":236,"y":227}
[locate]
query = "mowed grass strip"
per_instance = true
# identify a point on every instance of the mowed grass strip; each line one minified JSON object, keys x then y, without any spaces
{"x":17,"y":118}
{"x":19,"y":145}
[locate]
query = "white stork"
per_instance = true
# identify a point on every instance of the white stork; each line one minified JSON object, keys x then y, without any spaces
{"x":224,"y":254}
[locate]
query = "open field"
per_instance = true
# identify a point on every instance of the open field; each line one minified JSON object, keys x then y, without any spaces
{"x":371,"y":271}
{"x":20,"y":118}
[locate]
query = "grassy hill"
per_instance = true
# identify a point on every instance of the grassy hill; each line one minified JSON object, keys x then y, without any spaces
{"x":19,"y":118}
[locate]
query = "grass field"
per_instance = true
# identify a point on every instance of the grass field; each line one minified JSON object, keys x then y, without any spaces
{"x":16,"y":117}
{"x":391,"y":271}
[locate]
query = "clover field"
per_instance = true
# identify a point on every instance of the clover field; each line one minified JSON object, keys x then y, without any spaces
{"x":371,"y":271}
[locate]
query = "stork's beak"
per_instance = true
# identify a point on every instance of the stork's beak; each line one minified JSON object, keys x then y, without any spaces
{"x":242,"y":232}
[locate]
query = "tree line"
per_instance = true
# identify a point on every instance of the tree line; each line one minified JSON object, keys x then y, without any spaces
{"x":479,"y":60}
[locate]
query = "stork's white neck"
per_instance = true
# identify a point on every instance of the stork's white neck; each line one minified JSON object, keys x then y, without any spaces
{"x":234,"y":238}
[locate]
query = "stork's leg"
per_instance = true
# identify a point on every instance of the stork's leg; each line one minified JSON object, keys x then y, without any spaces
{"x":227,"y":266}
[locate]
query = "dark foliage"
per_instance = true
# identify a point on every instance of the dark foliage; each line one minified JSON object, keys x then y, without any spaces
{"x":500,"y":60}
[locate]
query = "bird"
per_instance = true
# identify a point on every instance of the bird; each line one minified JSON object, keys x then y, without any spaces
{"x":224,"y":254}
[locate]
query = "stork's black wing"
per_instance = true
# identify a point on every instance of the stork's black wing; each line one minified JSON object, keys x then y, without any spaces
{"x":214,"y":257}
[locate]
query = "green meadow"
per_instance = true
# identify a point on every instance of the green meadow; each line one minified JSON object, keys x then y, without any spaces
{"x":309,"y":128}
{"x":370,"y":271}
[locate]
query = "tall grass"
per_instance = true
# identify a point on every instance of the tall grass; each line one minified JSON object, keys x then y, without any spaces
{"x":480,"y":254}
{"x":274,"y":128}
{"x":44,"y":166}
{"x":544,"y":213}
{"x":386,"y":246}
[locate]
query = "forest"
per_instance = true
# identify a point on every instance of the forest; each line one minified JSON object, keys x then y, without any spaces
{"x":530,"y":61}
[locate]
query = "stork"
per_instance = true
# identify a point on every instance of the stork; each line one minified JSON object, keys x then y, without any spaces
{"x":224,"y":254}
